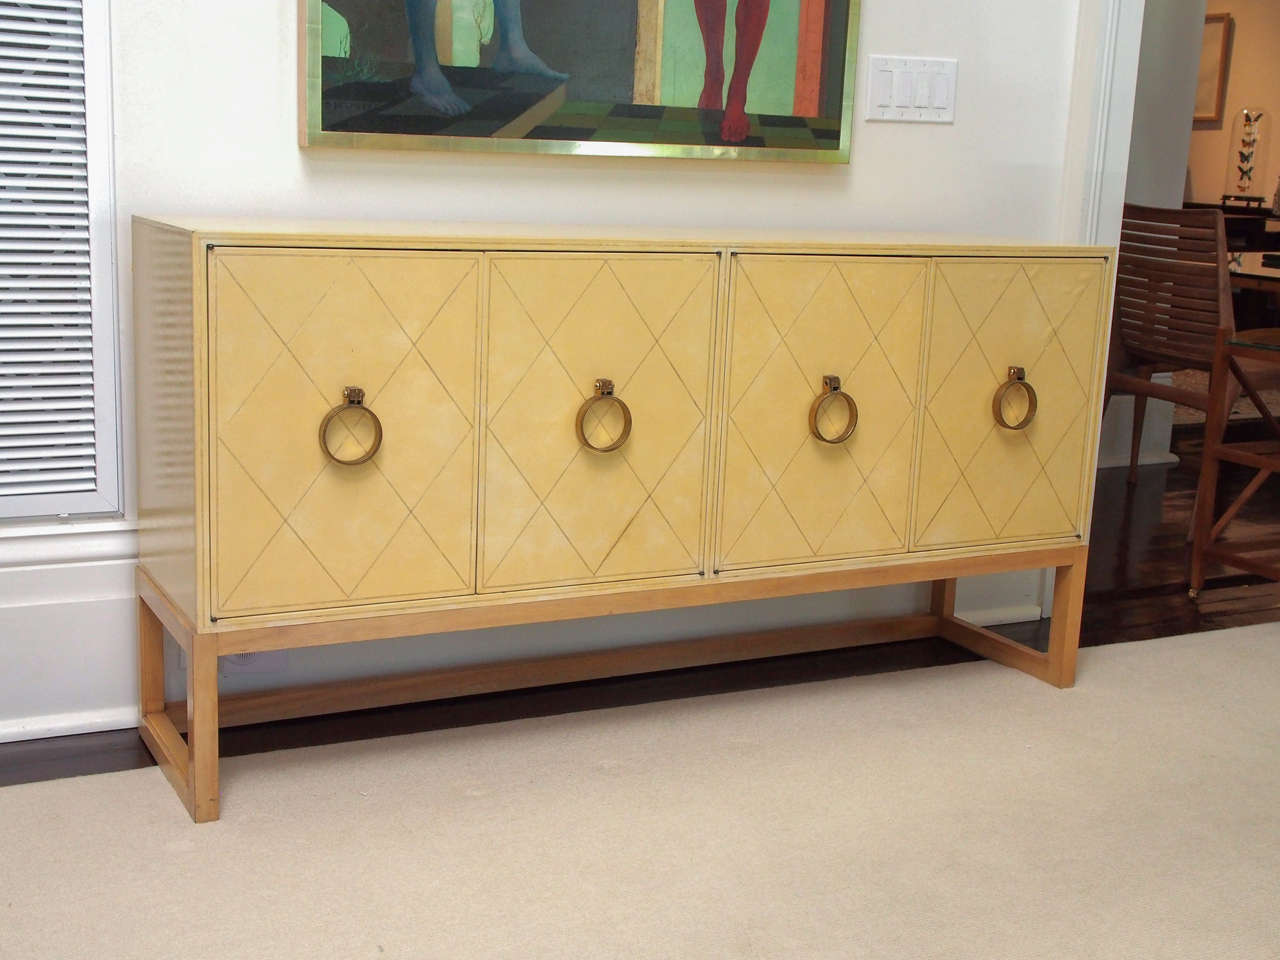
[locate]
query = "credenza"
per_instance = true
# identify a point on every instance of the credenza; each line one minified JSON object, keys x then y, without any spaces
{"x":356,"y":431}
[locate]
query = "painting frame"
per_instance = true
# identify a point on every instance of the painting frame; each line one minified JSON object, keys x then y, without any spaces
{"x":1215,"y":58}
{"x":312,"y":134}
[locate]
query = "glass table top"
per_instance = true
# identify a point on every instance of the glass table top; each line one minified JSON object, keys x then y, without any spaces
{"x":1264,"y":338}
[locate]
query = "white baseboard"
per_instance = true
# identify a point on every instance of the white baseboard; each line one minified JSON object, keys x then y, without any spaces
{"x":990,"y":616}
{"x":64,"y":724}
{"x":1144,"y":460}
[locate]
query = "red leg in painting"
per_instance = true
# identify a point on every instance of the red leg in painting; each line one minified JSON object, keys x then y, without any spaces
{"x":711,"y":16}
{"x":750,"y":21}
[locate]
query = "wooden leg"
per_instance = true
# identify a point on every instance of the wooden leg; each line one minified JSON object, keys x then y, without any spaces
{"x":943,"y":603}
{"x":191,"y":765}
{"x":1064,"y":627}
{"x":202,"y":728}
{"x":150,"y":661}
{"x":1221,"y":399}
{"x":154,"y":726}
{"x":1058,"y":666}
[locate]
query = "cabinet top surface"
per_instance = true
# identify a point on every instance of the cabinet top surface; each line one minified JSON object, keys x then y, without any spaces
{"x":268,"y":231}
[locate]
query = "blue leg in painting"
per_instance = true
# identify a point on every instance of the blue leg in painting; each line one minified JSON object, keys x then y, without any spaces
{"x":513,"y":55}
{"x":428,"y":82}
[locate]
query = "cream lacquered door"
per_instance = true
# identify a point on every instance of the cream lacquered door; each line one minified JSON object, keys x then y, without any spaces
{"x":981,"y":482}
{"x":788,"y":496}
{"x":291,"y":329}
{"x":554,"y":511}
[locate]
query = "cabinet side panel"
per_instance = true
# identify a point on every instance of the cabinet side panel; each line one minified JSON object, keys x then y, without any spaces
{"x":1093,"y":438}
{"x":164,"y":368}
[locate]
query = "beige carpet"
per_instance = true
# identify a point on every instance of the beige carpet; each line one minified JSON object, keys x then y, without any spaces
{"x":955,"y":812}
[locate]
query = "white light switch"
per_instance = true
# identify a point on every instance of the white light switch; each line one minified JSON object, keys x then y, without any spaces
{"x":882,"y":87}
{"x":911,"y":89}
{"x":922,"y":91}
{"x":903,"y":84}
{"x":942,"y":92}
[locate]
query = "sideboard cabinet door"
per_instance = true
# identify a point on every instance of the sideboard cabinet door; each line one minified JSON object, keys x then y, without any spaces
{"x":290,"y":330}
{"x":554,"y":510}
{"x":796,"y":321}
{"x":980,"y":482}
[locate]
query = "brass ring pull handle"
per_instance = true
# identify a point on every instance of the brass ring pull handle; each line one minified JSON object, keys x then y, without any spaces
{"x":1017,"y":378}
{"x":831,"y":391}
{"x":354,"y":400}
{"x":603,"y":394}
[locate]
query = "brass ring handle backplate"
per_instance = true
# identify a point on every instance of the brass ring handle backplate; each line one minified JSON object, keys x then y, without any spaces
{"x":354,"y":400}
{"x":1017,"y":378}
{"x":831,"y":391}
{"x":603,"y":394}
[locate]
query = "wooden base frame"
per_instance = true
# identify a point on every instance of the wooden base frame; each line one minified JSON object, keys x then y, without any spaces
{"x":190,"y":765}
{"x":190,"y":762}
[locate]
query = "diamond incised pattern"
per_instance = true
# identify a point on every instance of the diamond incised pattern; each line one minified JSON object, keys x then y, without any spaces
{"x":291,"y":329}
{"x":980,"y":482}
{"x":789,"y":497}
{"x":555,"y":512}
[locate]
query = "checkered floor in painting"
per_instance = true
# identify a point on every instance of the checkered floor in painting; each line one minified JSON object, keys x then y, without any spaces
{"x":639,"y":123}
{"x":499,"y":101}
{"x":378,"y":106}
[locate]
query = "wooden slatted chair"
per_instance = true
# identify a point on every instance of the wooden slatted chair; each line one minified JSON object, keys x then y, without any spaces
{"x":1173,"y":295}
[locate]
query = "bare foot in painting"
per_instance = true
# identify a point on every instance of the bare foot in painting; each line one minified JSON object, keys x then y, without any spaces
{"x":523,"y":60}
{"x":434,"y":89}
{"x":735,"y":126}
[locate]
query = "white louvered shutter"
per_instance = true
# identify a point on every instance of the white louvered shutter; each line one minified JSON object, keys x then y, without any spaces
{"x":48,"y":438}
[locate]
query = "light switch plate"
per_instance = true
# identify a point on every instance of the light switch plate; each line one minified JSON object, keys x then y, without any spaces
{"x":911,"y":89}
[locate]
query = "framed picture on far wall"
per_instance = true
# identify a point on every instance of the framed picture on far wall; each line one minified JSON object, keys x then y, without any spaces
{"x":739,"y":79}
{"x":1215,"y":55}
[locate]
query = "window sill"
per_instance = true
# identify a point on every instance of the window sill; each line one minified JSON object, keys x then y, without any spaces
{"x":84,"y":540}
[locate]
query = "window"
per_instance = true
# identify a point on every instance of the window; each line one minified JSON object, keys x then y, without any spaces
{"x":58,"y":405}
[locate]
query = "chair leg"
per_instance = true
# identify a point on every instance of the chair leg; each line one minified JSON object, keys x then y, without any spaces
{"x":1139,"y":416}
{"x":1215,"y":431}
{"x":1222,"y":392}
{"x":1135,"y":445}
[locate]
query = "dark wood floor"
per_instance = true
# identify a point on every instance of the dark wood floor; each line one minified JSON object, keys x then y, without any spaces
{"x":1135,"y":590}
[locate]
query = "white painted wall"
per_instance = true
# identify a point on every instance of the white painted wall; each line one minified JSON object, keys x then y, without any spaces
{"x":1164,"y":102}
{"x":1163,"y":105}
{"x":205,"y":97}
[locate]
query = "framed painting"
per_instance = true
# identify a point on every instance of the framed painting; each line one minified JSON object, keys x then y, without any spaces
{"x":739,"y":79}
{"x":1215,"y":55}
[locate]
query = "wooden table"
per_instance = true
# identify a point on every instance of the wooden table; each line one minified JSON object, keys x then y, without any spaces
{"x":1250,"y":358}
